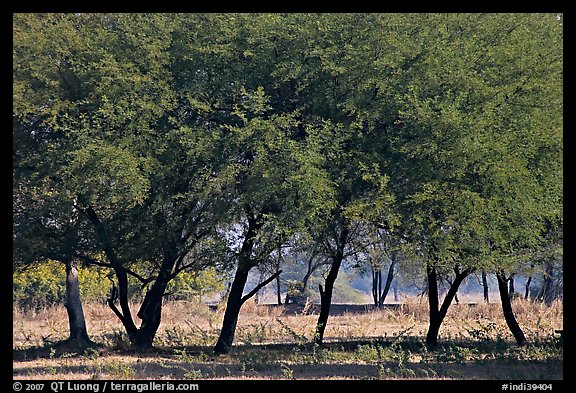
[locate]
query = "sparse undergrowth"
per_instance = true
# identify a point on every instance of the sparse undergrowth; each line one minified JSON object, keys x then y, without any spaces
{"x":274,"y":343}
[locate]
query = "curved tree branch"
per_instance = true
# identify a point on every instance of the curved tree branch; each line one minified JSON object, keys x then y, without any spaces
{"x":257,"y":288}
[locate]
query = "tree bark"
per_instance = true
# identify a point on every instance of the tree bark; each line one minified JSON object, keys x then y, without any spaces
{"x":234,"y":303}
{"x":326,"y":293}
{"x":73,"y":304}
{"x":233,"y":306}
{"x":433,"y":302}
{"x":389,"y":279}
{"x":507,"y":309}
{"x":375,"y":289}
{"x":151,"y":309}
{"x":485,"y":286}
{"x":125,"y":315}
{"x":121,"y":292}
{"x":437,"y":315}
{"x":278,"y":294}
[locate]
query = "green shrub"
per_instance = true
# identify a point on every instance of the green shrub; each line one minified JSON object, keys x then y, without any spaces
{"x":187,"y":285}
{"x":44,"y":284}
{"x":40,"y":285}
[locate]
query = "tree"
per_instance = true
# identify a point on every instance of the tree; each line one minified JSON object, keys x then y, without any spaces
{"x":46,"y":224}
{"x":263,"y":94}
{"x":530,"y":195}
{"x":330,"y":76}
{"x":180,"y":140}
{"x":467,"y":139}
{"x":48,"y":97}
{"x":36,"y":239}
{"x":267,"y":207}
{"x":119,"y":149}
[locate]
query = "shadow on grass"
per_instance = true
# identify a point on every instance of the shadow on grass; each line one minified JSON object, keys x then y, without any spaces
{"x":152,"y":369}
{"x":410,"y":343}
{"x":56,"y":349}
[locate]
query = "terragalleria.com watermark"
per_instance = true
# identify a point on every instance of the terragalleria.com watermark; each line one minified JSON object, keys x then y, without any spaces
{"x":102,"y":387}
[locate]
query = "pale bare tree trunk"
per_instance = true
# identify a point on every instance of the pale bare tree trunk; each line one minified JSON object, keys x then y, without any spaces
{"x":73,"y":304}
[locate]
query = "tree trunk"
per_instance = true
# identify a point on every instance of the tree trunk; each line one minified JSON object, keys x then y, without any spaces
{"x":547,"y":287}
{"x":234,"y":303}
{"x":511,"y":289}
{"x":73,"y":304}
{"x":151,"y":321}
{"x":151,"y":314}
{"x":507,"y":309}
{"x":278,"y":294}
{"x":437,"y":315}
{"x":485,"y":286}
{"x":307,"y":276}
{"x":326,"y":294}
{"x":375,"y":290}
{"x":379,"y":289}
{"x":233,"y":306}
{"x":527,"y":291}
{"x":326,"y":300}
{"x":125,"y":316}
{"x":227,"y":290}
{"x":121,"y":292}
{"x":389,"y":279}
{"x":395,"y":288}
{"x":151,"y":309}
{"x":433,"y":302}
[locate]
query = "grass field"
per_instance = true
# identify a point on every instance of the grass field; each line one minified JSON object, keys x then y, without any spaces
{"x":273,"y":342}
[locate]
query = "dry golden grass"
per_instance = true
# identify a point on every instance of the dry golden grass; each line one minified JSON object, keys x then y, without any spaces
{"x":189,"y":323}
{"x":285,"y":333}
